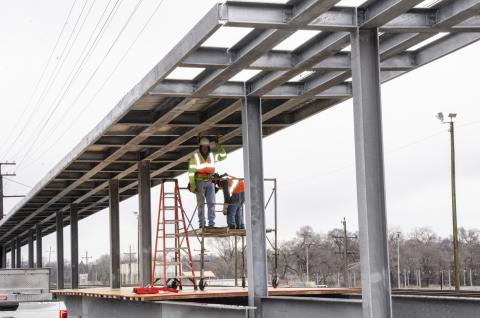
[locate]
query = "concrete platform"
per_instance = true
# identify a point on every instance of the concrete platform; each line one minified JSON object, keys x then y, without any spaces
{"x":126,"y":293}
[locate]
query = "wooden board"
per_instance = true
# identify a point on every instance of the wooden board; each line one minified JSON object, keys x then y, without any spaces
{"x":126,"y":293}
{"x":218,"y":232}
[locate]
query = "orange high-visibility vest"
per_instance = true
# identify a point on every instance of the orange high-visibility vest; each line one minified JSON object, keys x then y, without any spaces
{"x":204,"y":167}
{"x":236,"y":186}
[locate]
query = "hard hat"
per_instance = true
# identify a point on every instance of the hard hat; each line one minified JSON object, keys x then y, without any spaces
{"x":204,"y":141}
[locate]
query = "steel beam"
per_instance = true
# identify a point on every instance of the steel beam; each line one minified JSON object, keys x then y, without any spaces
{"x":377,"y":13}
{"x":38,"y":238}
{"x":74,"y":244}
{"x":30,"y":248}
{"x":144,"y":224}
{"x":308,"y":55}
{"x":19,"y":252}
{"x":256,"y":43}
{"x":254,"y":202}
{"x":114,"y":217}
{"x":375,"y":269}
{"x":60,"y":258}
{"x":200,"y":32}
{"x":12,"y":254}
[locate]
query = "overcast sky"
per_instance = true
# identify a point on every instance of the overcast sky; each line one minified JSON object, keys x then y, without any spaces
{"x":318,"y":190}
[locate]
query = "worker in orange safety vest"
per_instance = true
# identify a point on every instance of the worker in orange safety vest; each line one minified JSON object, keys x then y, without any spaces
{"x":236,"y":191}
{"x":201,"y":168}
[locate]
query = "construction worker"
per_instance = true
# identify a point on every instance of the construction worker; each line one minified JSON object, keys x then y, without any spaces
{"x":236,"y":190}
{"x":201,"y":168}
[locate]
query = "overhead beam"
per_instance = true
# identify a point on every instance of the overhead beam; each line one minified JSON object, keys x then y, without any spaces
{"x":256,"y":43}
{"x":200,"y":32}
{"x":276,"y":61}
{"x":377,"y":13}
{"x":308,"y":55}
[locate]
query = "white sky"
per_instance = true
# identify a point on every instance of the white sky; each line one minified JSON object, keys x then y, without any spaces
{"x":313,"y":160}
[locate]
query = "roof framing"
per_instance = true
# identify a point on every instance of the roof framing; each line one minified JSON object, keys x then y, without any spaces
{"x":159,"y":119}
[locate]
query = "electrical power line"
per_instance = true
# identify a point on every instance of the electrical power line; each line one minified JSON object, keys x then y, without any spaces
{"x":43,"y":127}
{"x":19,"y":183}
{"x":67,"y":84}
{"x":82,"y":110}
{"x":37,"y":85}
{"x":60,"y":62}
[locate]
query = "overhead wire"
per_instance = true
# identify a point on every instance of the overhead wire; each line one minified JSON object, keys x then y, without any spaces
{"x":60,"y":61}
{"x":56,"y":106}
{"x":77,"y":70}
{"x":389,"y":152}
{"x":17,"y":182}
{"x":82,"y":110}
{"x":37,"y":85}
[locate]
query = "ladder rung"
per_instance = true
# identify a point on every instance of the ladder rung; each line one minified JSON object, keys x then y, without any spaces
{"x":169,"y":222}
{"x":168,"y":263}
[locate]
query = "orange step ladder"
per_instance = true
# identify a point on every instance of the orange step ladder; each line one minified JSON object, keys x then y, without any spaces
{"x":173,"y":251}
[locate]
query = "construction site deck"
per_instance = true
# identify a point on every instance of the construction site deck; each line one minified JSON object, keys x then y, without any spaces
{"x":126,"y":293}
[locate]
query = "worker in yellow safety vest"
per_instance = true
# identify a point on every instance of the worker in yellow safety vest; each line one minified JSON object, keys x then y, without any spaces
{"x":201,"y":167}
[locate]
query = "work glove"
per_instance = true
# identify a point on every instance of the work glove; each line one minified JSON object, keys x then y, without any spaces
{"x":193,"y":188}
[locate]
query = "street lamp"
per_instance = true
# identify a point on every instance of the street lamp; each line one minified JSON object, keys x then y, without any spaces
{"x":456,"y":258}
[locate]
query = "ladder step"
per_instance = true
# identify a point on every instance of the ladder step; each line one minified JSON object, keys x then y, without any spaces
{"x":169,"y":222}
{"x":168,"y":236}
{"x":168,"y":263}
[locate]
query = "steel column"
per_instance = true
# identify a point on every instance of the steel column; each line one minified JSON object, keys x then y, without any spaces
{"x":370,"y":175}
{"x":114,"y":233}
{"x":12,"y":254}
{"x":39,"y":246}
{"x":3,"y":257}
{"x":60,"y":276}
{"x":74,"y":244}
{"x":30,"y":248}
{"x":19,"y":252}
{"x":144,"y":224}
{"x":255,"y":206}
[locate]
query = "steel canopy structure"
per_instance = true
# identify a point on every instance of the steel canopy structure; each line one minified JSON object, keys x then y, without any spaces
{"x":159,"y":120}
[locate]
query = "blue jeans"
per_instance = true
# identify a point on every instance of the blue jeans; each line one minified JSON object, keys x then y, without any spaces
{"x":206,"y":191}
{"x":235,"y":210}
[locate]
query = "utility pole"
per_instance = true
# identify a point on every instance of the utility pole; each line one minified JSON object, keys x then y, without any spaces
{"x":2,"y":196}
{"x":307,"y":245}
{"x":343,"y":250}
{"x":50,"y":254}
{"x":86,"y":258}
{"x":398,"y":259}
{"x":456,"y":258}
{"x":130,"y":253}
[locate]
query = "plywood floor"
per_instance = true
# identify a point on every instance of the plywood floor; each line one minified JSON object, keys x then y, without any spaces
{"x":126,"y":293}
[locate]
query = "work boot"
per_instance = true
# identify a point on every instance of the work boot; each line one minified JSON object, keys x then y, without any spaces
{"x":241,"y":227}
{"x":231,"y":227}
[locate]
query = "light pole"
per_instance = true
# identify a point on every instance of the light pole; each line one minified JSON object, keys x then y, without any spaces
{"x":398,"y":258}
{"x":456,"y":258}
{"x":307,"y":245}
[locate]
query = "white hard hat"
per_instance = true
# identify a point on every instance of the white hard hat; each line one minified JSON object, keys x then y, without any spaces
{"x":204,"y":141}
